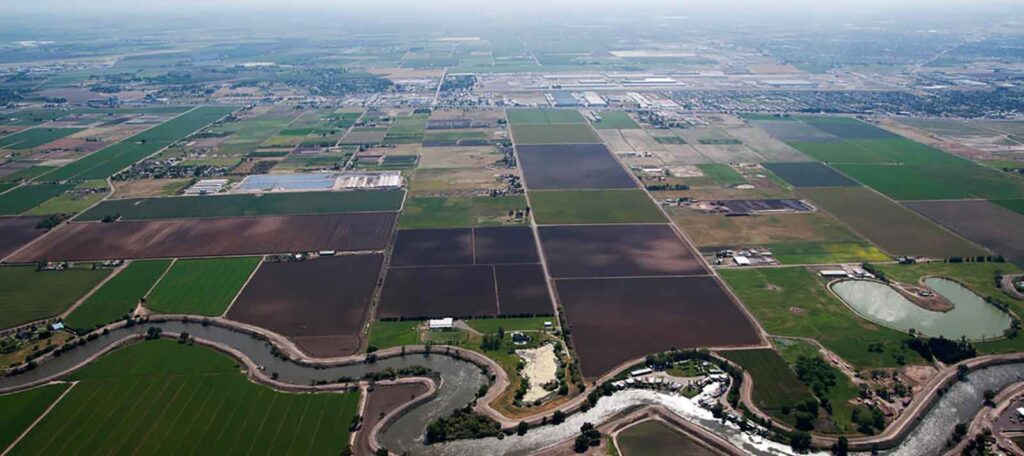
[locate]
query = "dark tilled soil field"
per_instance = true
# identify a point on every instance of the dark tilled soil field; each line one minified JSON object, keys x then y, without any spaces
{"x":617,"y":251}
{"x":322,"y":304}
{"x":16,"y":232}
{"x":213,"y":237}
{"x":523,"y":290}
{"x":810,"y":175}
{"x":464,"y":246}
{"x":616,"y":320}
{"x":505,"y":245}
{"x":571,"y":166}
{"x":440,"y":291}
{"x":448,"y":246}
{"x":379,"y":402}
{"x":988,"y":224}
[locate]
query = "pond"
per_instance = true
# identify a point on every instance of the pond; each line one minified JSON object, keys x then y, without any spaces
{"x":971,"y":316}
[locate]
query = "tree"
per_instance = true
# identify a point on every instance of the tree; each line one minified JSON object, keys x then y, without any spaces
{"x":522,"y":428}
{"x":842,"y":446}
{"x":558,"y":417}
{"x":382,"y":452}
{"x":800,"y":441}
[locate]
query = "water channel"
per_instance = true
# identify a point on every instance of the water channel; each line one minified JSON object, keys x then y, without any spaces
{"x":461,"y":380}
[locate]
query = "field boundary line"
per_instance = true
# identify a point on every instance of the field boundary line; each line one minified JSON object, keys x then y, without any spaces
{"x":38,"y":419}
{"x":78,"y":303}
{"x":157,"y":282}
{"x":242,"y":288}
{"x":676,"y":276}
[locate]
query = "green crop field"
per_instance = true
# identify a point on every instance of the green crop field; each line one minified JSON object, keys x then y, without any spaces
{"x":23,"y":408}
{"x":543,"y":116}
{"x":35,"y":137}
{"x":594,"y":206}
{"x":615,"y":120}
{"x":793,"y":302}
{"x":385,"y":334}
{"x":775,"y":384}
{"x":840,"y":395}
{"x":26,"y":197}
{"x":111,"y":160}
{"x":239,"y":205}
{"x":201,"y":286}
{"x":723,"y":174}
{"x":554,"y":134}
{"x":905,"y":182}
{"x":28,"y":295}
{"x":453,"y":212}
{"x":491,"y":325}
{"x":1015,"y":205}
{"x":896,"y":229}
{"x":28,"y":173}
{"x":825,"y":252}
{"x":118,"y":296}
{"x":160,"y":397}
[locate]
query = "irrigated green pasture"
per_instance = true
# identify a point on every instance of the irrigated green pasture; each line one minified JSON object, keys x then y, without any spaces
{"x":118,"y":296}
{"x":594,"y":206}
{"x":26,"y":197}
{"x":554,"y":134}
{"x":160,"y":397}
{"x":615,"y":120}
{"x":21,"y":409}
{"x":723,"y":174}
{"x":543,"y":116}
{"x":28,"y":295}
{"x":35,"y":137}
{"x":775,"y":384}
{"x":793,"y":302}
{"x":201,"y":286}
{"x":453,"y":212}
{"x":239,"y":205}
{"x":111,"y":160}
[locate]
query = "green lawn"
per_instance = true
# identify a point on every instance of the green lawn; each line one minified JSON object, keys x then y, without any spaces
{"x":825,"y":252}
{"x":491,"y":325}
{"x":238,"y":205}
{"x":26,"y":197}
{"x":725,"y":175}
{"x":111,"y":160}
{"x":554,"y":134}
{"x":454,"y":212}
{"x":615,"y":120}
{"x":21,"y":409}
{"x":793,"y":302}
{"x":201,"y":286}
{"x":160,"y":397}
{"x":28,"y":295}
{"x":594,"y":206}
{"x":118,"y":296}
{"x":384,"y":334}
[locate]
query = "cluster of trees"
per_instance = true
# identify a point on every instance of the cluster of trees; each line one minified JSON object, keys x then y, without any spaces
{"x":942,"y":349}
{"x":462,"y":424}
{"x":589,"y":437}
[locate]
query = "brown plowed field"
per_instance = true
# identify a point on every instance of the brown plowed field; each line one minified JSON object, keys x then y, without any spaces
{"x":213,"y":237}
{"x":571,"y":166}
{"x":464,"y":246}
{"x":988,"y":224}
{"x":617,"y":251}
{"x":322,"y":304}
{"x":439,"y":291}
{"x":381,"y":401}
{"x":615,"y":320}
{"x":523,"y":290}
{"x":16,"y":232}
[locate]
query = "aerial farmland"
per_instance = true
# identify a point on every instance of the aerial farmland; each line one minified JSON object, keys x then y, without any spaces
{"x":381,"y":236}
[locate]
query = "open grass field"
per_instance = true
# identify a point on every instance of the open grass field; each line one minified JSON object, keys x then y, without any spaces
{"x":897,"y":230}
{"x":21,"y":409}
{"x":441,"y":212}
{"x":491,"y":325}
{"x":118,"y":296}
{"x":246,"y":205}
{"x":28,"y":295}
{"x":109,"y":161}
{"x":159,"y":397}
{"x":840,"y":395}
{"x":594,"y":206}
{"x":809,"y":174}
{"x":930,"y":182}
{"x":724,"y":175}
{"x":615,"y":120}
{"x":35,"y":137}
{"x":825,"y":252}
{"x":716,"y":230}
{"x":525,"y":134}
{"x":543,"y":116}
{"x":775,"y":384}
{"x":652,"y":438}
{"x":793,"y":302}
{"x":385,"y":334}
{"x":26,"y":197}
{"x":201,"y":286}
